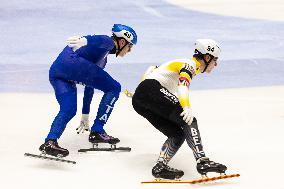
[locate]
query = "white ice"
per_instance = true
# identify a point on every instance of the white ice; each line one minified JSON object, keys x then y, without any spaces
{"x":240,"y":127}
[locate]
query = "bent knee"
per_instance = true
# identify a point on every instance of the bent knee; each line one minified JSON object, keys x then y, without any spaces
{"x":178,"y":136}
{"x":116,"y":87}
{"x":178,"y":140}
{"x":113,"y":87}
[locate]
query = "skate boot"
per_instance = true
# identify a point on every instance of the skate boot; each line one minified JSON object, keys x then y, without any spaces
{"x":95,"y":137}
{"x":161,"y":170}
{"x":204,"y":165}
{"x":52,"y":148}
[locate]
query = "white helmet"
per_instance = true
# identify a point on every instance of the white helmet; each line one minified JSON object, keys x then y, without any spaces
{"x":207,"y":46}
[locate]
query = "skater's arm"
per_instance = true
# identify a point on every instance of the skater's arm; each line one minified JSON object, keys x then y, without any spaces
{"x":183,"y":93}
{"x":88,"y":96}
{"x":84,"y":124}
{"x":185,"y":76}
{"x":100,"y":41}
{"x":183,"y":96}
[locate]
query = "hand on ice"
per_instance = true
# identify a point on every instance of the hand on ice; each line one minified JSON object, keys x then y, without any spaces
{"x":76,"y":42}
{"x":187,"y":115}
{"x":84,"y":124}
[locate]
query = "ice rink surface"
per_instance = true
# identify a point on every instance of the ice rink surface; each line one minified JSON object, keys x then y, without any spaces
{"x":239,"y":106}
{"x":242,"y":128}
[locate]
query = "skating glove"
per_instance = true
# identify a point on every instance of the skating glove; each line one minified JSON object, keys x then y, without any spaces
{"x":76,"y":42}
{"x":84,"y":124}
{"x":187,"y":115}
{"x":128,"y":93}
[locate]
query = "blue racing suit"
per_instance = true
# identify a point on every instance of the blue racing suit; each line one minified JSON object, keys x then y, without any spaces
{"x":84,"y":66}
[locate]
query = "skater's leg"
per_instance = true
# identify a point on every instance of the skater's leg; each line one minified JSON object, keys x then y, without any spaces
{"x":88,"y":96}
{"x":93,"y":76}
{"x":173,"y":131}
{"x":84,"y":72}
{"x":170,"y":147}
{"x":106,"y":106}
{"x":107,"y":103}
{"x":111,"y":89}
{"x":152,"y":96}
{"x":193,"y":139}
{"x":191,"y":133}
{"x":66,"y":95}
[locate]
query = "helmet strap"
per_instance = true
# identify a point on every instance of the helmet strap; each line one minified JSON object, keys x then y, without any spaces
{"x":207,"y":62}
{"x":118,"y":50}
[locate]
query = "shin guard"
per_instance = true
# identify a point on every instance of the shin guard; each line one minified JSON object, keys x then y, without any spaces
{"x":193,"y":139}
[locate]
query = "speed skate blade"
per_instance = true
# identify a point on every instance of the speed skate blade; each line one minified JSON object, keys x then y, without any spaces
{"x":49,"y":158}
{"x":201,"y":180}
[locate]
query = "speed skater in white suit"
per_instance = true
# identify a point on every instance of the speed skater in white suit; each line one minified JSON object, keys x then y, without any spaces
{"x":163,"y":99}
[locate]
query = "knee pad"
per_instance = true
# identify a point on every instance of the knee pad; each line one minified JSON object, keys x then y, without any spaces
{"x":193,"y":139}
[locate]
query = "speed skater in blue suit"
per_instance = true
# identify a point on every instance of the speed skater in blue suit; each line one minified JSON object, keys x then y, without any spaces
{"x":83,"y":61}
